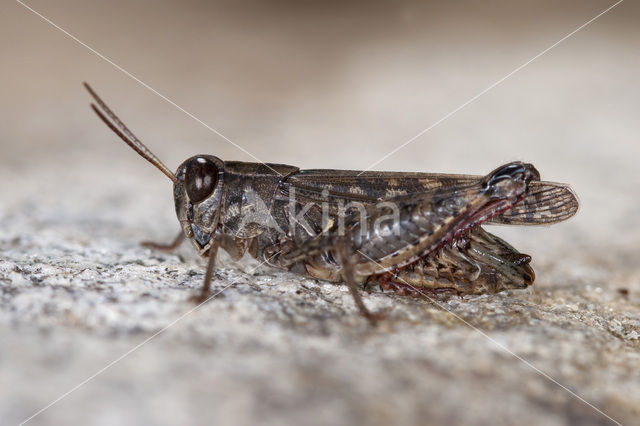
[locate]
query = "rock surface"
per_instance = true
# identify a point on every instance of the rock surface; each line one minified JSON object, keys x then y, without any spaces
{"x":102,"y":328}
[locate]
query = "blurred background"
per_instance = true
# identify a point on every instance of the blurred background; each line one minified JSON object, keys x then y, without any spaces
{"x":319,"y":84}
{"x":331,"y":84}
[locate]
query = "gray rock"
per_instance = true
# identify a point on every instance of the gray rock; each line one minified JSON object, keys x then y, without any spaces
{"x":98,"y":330}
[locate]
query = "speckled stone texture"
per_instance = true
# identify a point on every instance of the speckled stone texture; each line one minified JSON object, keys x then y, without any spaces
{"x":333,"y":86}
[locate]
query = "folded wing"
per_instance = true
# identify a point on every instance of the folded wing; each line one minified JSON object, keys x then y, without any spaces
{"x":545,"y":203}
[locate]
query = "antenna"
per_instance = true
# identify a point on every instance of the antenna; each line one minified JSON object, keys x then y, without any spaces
{"x":119,"y":128}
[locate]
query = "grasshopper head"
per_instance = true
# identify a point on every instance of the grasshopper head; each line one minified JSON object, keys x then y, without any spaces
{"x":197,"y":185}
{"x":197,"y":192}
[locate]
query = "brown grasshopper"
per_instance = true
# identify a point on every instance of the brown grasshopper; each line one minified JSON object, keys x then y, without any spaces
{"x":417,"y":234}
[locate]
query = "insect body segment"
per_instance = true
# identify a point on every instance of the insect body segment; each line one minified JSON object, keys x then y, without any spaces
{"x":414,"y":233}
{"x":476,"y":263}
{"x":426,"y":222}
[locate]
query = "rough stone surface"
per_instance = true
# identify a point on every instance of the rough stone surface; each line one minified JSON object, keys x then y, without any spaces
{"x":84,"y":308}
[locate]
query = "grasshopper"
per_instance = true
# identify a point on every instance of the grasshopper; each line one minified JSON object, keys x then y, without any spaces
{"x":417,"y":234}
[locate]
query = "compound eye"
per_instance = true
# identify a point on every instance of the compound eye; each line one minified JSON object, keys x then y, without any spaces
{"x":201,"y":177}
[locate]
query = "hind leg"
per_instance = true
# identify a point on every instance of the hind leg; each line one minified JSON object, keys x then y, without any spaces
{"x":403,"y":288}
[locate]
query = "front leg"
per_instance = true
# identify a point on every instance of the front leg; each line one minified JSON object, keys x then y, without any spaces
{"x":236,"y":249}
{"x":165,"y":247}
{"x":203,"y":296}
